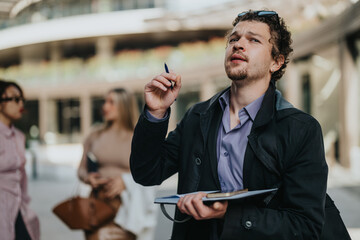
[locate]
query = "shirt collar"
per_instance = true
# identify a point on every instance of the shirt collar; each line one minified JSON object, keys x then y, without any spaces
{"x":252,"y":109}
{"x":7,"y":131}
{"x":224,"y":99}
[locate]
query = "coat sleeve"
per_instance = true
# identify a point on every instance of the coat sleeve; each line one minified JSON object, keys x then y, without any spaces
{"x":300,"y":212}
{"x":154,"y":157}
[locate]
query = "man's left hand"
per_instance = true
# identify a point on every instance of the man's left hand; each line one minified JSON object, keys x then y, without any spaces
{"x":193,"y":205}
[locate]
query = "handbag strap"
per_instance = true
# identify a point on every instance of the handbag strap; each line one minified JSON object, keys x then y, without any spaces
{"x":162,"y":206}
{"x":76,"y":190}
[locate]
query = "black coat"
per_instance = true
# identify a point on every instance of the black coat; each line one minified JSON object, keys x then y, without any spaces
{"x":285,"y":150}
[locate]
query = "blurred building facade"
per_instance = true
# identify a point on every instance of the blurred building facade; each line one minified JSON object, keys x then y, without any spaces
{"x":67,"y":54}
{"x":324,"y":81}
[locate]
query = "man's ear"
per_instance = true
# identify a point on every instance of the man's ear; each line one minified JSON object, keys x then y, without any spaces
{"x":278,"y":62}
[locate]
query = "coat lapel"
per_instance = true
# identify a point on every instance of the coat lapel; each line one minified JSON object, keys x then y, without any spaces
{"x":264,"y":148}
{"x":216,"y":117}
{"x":209,"y":125}
{"x":262,"y":138}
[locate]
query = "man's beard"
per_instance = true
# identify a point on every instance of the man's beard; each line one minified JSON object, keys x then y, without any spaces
{"x":235,"y":75}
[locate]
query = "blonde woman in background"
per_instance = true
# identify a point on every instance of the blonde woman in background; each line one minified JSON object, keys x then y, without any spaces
{"x":111,"y":181}
{"x":17,"y":220}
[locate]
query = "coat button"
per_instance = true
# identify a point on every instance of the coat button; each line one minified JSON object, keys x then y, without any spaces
{"x":198,"y":161}
{"x":248,"y":224}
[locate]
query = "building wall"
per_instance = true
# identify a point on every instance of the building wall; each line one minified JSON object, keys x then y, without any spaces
{"x":328,"y":57}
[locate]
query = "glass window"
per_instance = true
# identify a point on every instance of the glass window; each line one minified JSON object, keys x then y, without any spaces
{"x":306,"y":89}
{"x":96,"y":106}
{"x":29,"y":123}
{"x":64,"y":123}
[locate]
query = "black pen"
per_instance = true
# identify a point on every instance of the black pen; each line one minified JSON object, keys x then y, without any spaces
{"x":167,"y":71}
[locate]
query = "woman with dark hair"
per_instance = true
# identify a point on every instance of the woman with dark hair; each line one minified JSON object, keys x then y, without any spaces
{"x":110,"y":179}
{"x":17,"y":221}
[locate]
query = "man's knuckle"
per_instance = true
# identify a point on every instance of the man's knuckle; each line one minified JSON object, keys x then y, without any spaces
{"x":187,"y":204}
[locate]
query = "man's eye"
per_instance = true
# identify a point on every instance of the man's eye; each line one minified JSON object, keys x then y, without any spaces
{"x":233,"y":40}
{"x":254,"y":40}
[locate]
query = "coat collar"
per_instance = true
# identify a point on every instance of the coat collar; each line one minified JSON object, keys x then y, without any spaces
{"x":272,"y":102}
{"x":272,"y":98}
{"x":267,"y":109}
{"x":265,"y":114}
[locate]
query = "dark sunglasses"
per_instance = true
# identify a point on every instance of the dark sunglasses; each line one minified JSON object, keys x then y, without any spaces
{"x":259,"y":13}
{"x":16,"y":99}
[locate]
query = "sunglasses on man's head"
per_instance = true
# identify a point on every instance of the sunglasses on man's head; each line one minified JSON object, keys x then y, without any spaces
{"x":16,"y":99}
{"x":259,"y":13}
{"x":264,"y":14}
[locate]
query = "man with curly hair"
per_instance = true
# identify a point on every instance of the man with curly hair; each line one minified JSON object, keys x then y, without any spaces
{"x":246,"y":136}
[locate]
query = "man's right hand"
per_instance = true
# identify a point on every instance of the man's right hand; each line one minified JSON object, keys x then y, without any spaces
{"x":158,"y":93}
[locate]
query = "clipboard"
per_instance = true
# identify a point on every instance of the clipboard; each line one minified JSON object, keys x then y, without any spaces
{"x":213,"y":196}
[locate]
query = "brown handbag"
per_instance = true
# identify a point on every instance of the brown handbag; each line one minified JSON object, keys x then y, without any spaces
{"x":84,"y":213}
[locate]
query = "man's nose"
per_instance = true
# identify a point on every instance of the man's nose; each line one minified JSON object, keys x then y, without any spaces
{"x":239,"y":44}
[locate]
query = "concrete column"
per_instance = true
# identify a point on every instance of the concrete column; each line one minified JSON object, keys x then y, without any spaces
{"x":55,"y":52}
{"x":85,"y":113}
{"x":55,"y":58}
{"x":105,"y":48}
{"x":349,"y":105}
{"x":293,"y":88}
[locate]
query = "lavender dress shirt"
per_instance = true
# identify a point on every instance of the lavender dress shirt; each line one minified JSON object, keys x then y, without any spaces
{"x":231,"y":143}
{"x":13,"y":185}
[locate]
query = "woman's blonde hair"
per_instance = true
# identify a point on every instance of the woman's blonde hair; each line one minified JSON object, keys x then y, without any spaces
{"x":128,"y":109}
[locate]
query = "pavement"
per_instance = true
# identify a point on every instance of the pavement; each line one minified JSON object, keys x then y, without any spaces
{"x":55,"y":183}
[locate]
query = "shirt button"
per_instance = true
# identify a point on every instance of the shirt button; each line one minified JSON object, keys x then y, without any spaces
{"x":226,"y":154}
{"x":198,"y":161}
{"x":248,"y":224}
